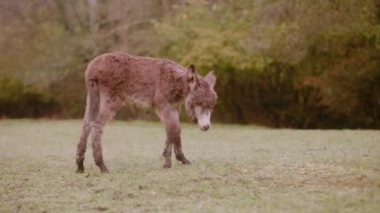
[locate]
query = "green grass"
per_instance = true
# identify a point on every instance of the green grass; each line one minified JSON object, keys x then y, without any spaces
{"x":234,"y":169}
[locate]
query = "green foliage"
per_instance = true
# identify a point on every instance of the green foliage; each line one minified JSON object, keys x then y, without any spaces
{"x":249,"y":34}
{"x":282,"y":63}
{"x":208,"y":35}
{"x":18,"y":100}
{"x":345,"y":70}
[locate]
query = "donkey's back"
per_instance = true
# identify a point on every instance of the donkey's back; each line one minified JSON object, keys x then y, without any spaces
{"x":138,"y":79}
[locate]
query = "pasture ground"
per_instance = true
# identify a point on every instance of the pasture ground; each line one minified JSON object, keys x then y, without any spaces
{"x":234,"y":169}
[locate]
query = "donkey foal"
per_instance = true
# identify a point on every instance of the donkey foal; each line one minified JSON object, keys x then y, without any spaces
{"x":163,"y":85}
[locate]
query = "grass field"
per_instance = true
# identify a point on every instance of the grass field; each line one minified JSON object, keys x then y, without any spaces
{"x":234,"y":169}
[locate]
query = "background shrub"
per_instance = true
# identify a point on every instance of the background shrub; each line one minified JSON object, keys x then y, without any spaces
{"x":281,"y":63}
{"x":18,"y":100}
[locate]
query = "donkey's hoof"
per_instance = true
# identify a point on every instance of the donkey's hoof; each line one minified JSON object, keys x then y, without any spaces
{"x":182,"y":159}
{"x":167,"y":165}
{"x":79,"y":171}
{"x":104,"y":170}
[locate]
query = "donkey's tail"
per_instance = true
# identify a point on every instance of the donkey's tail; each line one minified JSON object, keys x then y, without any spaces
{"x":92,"y":100}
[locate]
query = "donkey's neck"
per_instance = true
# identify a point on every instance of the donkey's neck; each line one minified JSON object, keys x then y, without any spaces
{"x":181,"y":75}
{"x":185,"y":86}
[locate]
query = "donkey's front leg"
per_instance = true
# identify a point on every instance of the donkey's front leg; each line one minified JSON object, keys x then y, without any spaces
{"x":170,"y":118}
{"x":175,"y":136}
{"x":178,"y":152}
{"x":167,"y":154}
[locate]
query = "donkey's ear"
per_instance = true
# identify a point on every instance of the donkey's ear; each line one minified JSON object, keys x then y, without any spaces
{"x":192,"y":77}
{"x":211,"y":78}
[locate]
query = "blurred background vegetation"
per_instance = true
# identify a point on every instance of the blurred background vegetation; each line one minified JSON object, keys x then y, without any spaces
{"x":280,"y":63}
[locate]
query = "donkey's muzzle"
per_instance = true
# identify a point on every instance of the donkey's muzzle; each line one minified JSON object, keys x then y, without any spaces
{"x":205,"y":127}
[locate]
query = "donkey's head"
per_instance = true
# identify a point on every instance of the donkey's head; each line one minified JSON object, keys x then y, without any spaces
{"x":201,"y":98}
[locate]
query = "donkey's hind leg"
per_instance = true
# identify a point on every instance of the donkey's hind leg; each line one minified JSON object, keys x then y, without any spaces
{"x":81,"y":147}
{"x":108,"y":108}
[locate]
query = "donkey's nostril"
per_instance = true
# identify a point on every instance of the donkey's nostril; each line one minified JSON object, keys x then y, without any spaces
{"x":206,"y":127}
